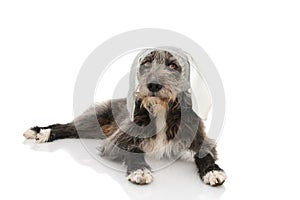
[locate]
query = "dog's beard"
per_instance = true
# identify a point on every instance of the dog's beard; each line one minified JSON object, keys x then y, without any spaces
{"x":155,"y":104}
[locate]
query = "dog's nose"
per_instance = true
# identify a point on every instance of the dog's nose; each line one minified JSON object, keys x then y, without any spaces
{"x":154,"y":87}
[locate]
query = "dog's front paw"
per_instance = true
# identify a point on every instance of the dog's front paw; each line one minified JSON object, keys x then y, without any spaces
{"x":214,"y":177}
{"x":140,"y":176}
{"x":43,"y":136}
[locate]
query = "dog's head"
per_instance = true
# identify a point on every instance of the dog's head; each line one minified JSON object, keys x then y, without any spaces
{"x":159,"y":78}
{"x":159,"y":75}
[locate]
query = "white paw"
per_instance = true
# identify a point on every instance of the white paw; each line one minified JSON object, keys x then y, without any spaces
{"x":29,"y":134}
{"x":43,"y":135}
{"x":140,"y":176}
{"x":214,"y":178}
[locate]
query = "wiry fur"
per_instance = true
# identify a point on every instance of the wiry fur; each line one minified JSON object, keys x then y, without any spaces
{"x":164,"y":124}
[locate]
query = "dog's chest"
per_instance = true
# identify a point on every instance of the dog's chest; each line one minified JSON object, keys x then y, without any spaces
{"x":159,"y":146}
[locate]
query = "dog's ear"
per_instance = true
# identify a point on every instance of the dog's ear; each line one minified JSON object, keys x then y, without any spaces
{"x":200,"y":94}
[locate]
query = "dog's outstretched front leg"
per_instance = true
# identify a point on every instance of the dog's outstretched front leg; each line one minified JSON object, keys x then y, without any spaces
{"x":138,"y":170}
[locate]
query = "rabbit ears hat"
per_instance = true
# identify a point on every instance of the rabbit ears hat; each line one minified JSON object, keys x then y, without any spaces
{"x":192,"y":81}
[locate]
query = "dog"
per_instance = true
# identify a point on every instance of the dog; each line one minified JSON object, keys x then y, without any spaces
{"x":157,"y":118}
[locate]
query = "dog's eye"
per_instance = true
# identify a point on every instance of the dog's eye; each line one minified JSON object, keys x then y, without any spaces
{"x":146,"y":63}
{"x":173,"y":66}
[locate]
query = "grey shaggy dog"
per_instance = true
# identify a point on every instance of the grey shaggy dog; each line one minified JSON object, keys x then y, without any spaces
{"x":162,"y":122}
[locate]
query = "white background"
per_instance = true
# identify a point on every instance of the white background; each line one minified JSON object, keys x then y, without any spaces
{"x":254,"y":44}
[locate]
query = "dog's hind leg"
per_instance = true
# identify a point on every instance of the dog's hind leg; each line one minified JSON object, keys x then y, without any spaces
{"x":89,"y":124}
{"x":78,"y":129}
{"x":52,"y":132}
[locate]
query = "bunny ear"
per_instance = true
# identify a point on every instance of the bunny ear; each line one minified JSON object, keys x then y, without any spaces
{"x":200,"y":94}
{"x":133,"y":82}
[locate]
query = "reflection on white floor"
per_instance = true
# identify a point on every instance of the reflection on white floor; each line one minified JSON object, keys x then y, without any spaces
{"x":177,"y":181}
